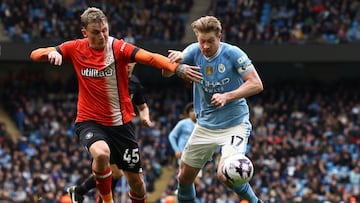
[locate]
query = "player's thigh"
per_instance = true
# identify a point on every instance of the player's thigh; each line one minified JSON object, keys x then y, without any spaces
{"x":200,"y":147}
{"x":89,"y":132}
{"x":125,"y":151}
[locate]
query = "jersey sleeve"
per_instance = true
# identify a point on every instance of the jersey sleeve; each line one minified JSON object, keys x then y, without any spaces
{"x":242,"y":62}
{"x":156,"y":60}
{"x":189,"y":53}
{"x":66,"y":48}
{"x":173,"y":136}
{"x":41,"y":54}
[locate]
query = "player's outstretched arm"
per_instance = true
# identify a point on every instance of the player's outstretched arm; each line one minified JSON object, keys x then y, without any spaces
{"x":155,"y":60}
{"x":189,"y":73}
{"x":46,"y":54}
{"x":184,"y":71}
{"x":166,"y":73}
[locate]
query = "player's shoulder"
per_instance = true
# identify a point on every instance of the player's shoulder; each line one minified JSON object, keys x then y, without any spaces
{"x":76,"y":42}
{"x":185,"y":120}
{"x":231,"y":48}
{"x":74,"y":46}
{"x":231,"y":51}
{"x":121,"y":44}
{"x":192,"y":47}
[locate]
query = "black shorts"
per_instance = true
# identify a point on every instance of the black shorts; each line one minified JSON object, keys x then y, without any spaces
{"x":125,"y":152}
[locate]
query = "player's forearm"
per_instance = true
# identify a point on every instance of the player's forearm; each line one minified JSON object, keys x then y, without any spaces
{"x":143,"y":111}
{"x":172,"y":140}
{"x":41,"y":54}
{"x":155,"y":60}
{"x":247,"y":89}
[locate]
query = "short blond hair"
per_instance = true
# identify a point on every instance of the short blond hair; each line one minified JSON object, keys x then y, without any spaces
{"x":92,"y":15}
{"x":207,"y":24}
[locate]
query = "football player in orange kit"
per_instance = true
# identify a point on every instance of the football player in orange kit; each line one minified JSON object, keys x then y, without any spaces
{"x":105,"y":111}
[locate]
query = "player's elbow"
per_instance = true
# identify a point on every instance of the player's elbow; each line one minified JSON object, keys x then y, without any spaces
{"x":259,"y":86}
{"x":32,"y":56}
{"x":256,"y":86}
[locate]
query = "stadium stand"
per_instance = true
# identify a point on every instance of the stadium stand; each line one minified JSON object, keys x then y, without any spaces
{"x":293,"y":22}
{"x":36,"y":21}
{"x":245,"y":21}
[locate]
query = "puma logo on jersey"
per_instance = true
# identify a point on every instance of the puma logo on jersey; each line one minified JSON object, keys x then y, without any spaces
{"x":93,"y":72}
{"x":89,"y":135}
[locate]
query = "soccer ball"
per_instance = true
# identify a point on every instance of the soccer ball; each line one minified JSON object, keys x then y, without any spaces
{"x":238,"y":169}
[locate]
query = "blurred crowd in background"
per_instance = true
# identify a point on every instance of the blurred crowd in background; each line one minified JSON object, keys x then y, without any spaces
{"x":52,"y":20}
{"x":244,"y":21}
{"x":288,"y":21}
{"x":304,"y":145}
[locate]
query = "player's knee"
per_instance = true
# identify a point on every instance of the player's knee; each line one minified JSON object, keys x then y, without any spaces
{"x":100,"y":151}
{"x":101,"y":157}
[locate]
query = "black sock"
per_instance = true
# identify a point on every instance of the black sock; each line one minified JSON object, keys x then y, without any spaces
{"x":90,"y":183}
{"x":113,"y":184}
{"x":87,"y":185}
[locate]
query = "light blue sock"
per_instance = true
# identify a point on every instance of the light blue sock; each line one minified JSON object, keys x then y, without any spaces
{"x":246,"y":192}
{"x":186,"y":193}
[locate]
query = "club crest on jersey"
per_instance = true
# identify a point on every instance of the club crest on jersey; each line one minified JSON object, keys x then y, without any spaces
{"x":209,"y":70}
{"x":221,"y":68}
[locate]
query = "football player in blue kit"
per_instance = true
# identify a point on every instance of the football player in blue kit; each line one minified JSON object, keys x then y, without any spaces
{"x":229,"y":77}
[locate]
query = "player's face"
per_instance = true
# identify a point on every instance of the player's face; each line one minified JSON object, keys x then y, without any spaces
{"x":97,"y":33}
{"x":209,"y":43}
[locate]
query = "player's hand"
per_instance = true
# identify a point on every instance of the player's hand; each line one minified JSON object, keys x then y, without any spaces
{"x":175,"y":56}
{"x":178,"y":154}
{"x":147,"y":123}
{"x":189,"y":73}
{"x":218,"y":100}
{"x":55,"y":58}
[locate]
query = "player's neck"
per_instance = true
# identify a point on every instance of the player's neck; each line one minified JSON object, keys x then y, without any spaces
{"x":213,"y":56}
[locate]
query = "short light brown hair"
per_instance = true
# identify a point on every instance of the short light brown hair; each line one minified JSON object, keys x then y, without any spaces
{"x":207,"y":24}
{"x":92,"y":15}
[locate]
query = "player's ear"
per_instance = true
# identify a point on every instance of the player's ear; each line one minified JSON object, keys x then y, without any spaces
{"x":83,"y":31}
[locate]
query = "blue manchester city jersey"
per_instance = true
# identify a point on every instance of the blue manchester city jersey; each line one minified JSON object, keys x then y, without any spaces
{"x":222,"y":73}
